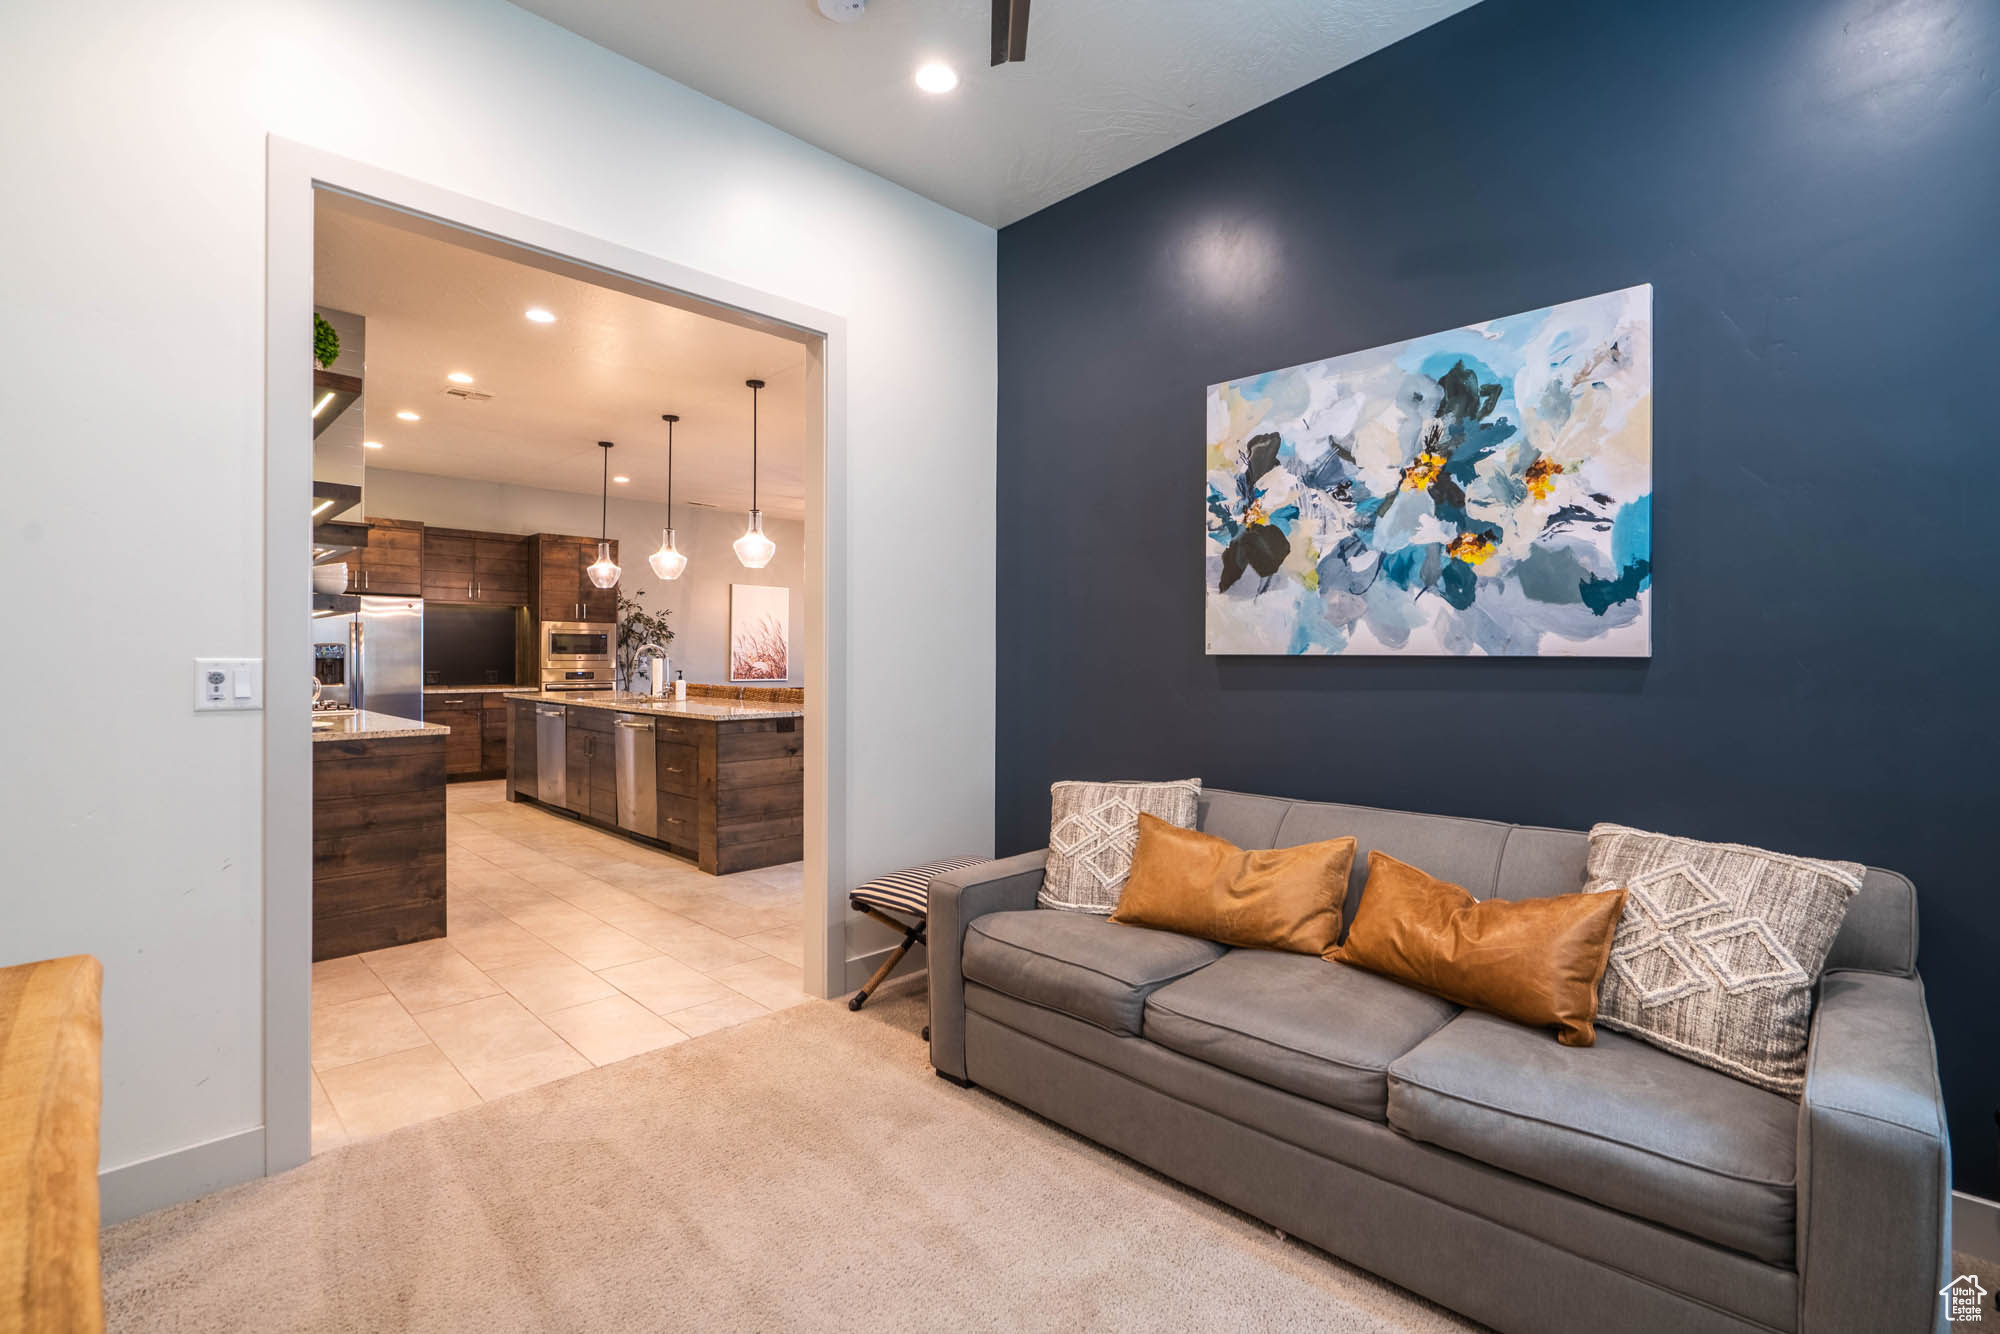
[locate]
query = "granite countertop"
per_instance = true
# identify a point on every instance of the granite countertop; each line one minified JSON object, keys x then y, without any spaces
{"x":371,"y":727}
{"x":713,"y":710}
{"x":470,"y":690}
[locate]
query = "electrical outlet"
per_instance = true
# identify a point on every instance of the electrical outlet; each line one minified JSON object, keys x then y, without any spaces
{"x":231,"y":684}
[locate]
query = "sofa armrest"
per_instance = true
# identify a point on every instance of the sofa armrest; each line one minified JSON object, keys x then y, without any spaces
{"x":1874,"y":1164}
{"x":956,"y":898}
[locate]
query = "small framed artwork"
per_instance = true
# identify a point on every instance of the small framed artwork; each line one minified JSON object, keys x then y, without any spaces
{"x":760,"y":632}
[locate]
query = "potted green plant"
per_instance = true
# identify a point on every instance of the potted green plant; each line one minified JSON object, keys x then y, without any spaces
{"x":326,"y":342}
{"x":637,"y":628}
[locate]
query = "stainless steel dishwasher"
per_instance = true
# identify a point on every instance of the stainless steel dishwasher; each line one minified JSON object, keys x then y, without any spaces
{"x":552,"y":754}
{"x":638,"y":783}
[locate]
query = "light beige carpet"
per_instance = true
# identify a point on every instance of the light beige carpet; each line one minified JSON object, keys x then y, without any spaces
{"x":802,"y":1172}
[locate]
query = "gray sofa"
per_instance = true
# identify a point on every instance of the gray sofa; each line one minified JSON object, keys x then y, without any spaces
{"x":1531,"y":1186}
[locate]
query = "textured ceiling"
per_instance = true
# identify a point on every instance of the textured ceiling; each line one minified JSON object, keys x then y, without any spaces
{"x":1107,"y":83}
{"x":605,"y":370}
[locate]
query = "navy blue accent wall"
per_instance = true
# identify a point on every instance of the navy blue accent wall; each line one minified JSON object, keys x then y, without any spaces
{"x":1813,"y":189}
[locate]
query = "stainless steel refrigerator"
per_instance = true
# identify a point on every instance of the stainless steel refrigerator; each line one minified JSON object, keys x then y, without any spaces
{"x":379,"y":645}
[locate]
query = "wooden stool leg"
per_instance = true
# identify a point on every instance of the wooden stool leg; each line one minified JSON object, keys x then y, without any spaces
{"x":861,"y":996}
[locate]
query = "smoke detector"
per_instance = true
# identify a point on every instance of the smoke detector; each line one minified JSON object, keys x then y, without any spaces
{"x":842,"y":11}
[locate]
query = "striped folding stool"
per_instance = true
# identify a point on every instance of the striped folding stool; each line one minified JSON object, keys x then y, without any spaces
{"x":904,"y":894}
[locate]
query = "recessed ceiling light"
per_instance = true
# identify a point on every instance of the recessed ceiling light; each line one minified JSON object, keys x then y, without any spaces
{"x":937,"y":77}
{"x":540,"y":316}
{"x":371,"y":444}
{"x":408,"y":416}
{"x":459,"y":377}
{"x":621,"y":480}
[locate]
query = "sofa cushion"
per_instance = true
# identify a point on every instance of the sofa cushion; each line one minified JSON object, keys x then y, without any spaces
{"x":1536,"y":962}
{"x":1622,"y":1123}
{"x":1325,"y":1031}
{"x":1093,"y":828}
{"x":1263,"y":899}
{"x":1080,"y":965}
{"x":1719,"y":949}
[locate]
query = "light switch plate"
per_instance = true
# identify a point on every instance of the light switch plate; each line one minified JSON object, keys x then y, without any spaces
{"x":229,"y":684}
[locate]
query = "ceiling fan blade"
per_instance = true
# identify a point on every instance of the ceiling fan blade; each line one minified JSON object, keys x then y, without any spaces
{"x":1010,"y":30}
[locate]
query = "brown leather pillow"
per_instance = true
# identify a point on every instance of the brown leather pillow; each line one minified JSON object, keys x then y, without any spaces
{"x":1538,"y":961}
{"x":1200,"y":885}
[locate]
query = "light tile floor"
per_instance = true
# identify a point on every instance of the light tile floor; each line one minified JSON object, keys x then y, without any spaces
{"x":566,"y":948}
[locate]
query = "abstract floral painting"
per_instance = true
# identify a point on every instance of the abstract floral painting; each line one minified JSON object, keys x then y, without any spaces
{"x":1483,"y":491}
{"x":760,"y":632}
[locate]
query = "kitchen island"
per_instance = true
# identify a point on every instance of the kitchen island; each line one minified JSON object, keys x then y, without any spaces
{"x":720,"y":781}
{"x":378,"y":832}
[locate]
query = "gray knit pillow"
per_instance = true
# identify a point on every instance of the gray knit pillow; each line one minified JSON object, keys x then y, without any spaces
{"x":1093,"y":828}
{"x":1719,"y":949}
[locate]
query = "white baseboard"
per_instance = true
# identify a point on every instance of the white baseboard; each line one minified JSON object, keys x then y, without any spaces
{"x":1975,"y":1226}
{"x":860,"y":969}
{"x":154,"y":1183}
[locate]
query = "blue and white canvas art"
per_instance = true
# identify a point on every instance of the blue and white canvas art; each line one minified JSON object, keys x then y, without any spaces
{"x":1483,"y":491}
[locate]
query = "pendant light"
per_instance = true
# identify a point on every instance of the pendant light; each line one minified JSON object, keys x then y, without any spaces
{"x":668,"y":562}
{"x":753,"y":548}
{"x":604,"y":571}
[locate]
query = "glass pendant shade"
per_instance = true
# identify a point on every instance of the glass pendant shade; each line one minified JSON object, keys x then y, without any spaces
{"x":667,"y":562}
{"x":753,"y":548}
{"x":604,"y":571}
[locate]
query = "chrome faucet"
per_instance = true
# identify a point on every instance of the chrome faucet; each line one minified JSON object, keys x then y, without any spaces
{"x":639,"y":660}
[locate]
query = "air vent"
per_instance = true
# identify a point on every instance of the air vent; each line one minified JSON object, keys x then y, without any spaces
{"x":469,"y":395}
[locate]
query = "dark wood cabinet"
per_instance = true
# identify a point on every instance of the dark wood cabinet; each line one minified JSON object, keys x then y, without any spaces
{"x":547,"y":573}
{"x":462,"y":714}
{"x":759,"y":789}
{"x":477,"y":745}
{"x":554,"y":571}
{"x":378,"y":843}
{"x":500,"y":569}
{"x":561,"y":588}
{"x":493,"y":736}
{"x":591,"y":780}
{"x":392,"y":564}
{"x":447,"y":565}
{"x":461,"y":565}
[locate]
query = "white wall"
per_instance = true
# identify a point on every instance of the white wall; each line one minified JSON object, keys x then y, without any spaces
{"x":132,"y":240}
{"x":699,"y":599}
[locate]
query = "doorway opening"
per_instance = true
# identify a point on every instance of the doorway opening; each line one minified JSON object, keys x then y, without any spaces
{"x":564,"y":804}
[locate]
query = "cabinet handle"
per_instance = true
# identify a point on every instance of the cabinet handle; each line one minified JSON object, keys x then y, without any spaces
{"x":672,"y":770}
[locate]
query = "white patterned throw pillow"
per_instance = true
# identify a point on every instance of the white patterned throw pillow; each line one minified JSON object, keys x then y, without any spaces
{"x":1719,"y":949}
{"x":1093,"y":828}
